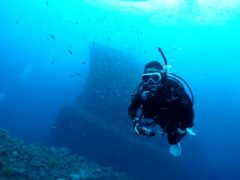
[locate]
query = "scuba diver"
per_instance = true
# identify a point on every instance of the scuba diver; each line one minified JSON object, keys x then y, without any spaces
{"x":161,"y":100}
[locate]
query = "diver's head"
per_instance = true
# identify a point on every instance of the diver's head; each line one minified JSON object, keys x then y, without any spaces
{"x":152,"y":75}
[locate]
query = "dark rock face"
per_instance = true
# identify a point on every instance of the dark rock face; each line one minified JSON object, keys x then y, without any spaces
{"x":98,"y":124}
{"x":111,"y":81}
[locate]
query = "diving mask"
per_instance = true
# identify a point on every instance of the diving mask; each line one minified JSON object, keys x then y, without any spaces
{"x":154,"y":77}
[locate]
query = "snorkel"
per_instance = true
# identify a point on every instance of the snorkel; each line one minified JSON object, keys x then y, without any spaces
{"x":163,"y":56}
{"x":173,"y":76}
{"x":165,"y":66}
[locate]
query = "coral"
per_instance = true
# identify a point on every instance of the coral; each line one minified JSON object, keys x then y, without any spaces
{"x":21,"y":161}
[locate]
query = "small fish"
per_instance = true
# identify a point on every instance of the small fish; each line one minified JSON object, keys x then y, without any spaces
{"x":24,"y":109}
{"x":83,"y":62}
{"x":17,"y":22}
{"x":47,"y":3}
{"x":52,"y":62}
{"x":52,"y":36}
{"x":70,"y":52}
{"x":77,"y":74}
{"x":58,"y":16}
{"x":176,"y":48}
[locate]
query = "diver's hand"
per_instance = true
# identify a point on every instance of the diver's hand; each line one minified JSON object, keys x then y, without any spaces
{"x":136,"y":128}
{"x":146,"y":131}
{"x":181,"y":131}
{"x":187,"y":131}
{"x":139,"y":129}
{"x":136,"y":124}
{"x":190,"y":131}
{"x":142,"y":130}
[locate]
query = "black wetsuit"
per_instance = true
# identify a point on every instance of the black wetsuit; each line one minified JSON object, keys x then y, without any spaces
{"x":169,"y":106}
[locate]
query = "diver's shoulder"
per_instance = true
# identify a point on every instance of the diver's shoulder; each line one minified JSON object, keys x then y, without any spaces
{"x":172,"y":82}
{"x":176,"y":85}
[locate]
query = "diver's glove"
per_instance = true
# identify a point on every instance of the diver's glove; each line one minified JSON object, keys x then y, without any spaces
{"x":181,"y":131}
{"x":141,"y":130}
{"x":136,"y":124}
{"x":190,"y":131}
{"x":186,"y":131}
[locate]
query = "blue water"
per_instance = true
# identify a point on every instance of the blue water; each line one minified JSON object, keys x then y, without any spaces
{"x":44,"y":65}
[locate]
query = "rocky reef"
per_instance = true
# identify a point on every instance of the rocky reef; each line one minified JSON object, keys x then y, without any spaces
{"x":19,"y":160}
{"x":98,"y":119}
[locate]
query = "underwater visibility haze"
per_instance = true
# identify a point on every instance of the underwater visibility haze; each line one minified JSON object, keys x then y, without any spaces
{"x":68,"y":69}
